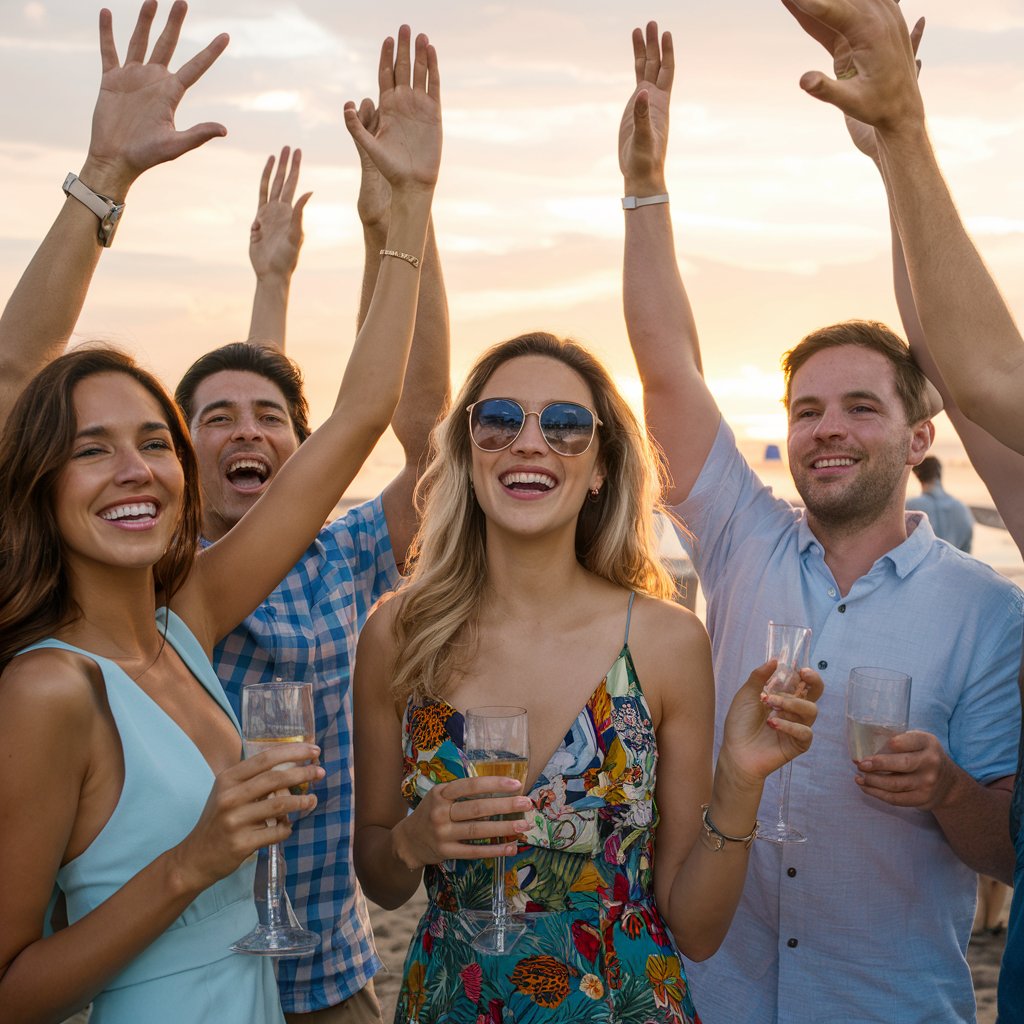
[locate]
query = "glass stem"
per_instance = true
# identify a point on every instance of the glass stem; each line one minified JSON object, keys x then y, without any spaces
{"x":498,"y":906}
{"x":784,"y":777}
{"x":275,"y":886}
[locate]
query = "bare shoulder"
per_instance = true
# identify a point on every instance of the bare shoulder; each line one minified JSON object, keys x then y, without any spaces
{"x":375,"y":657}
{"x":51,"y":685}
{"x":666,"y":627}
{"x":672,"y":654}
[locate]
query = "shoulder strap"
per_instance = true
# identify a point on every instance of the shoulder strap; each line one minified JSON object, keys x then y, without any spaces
{"x":629,"y":615}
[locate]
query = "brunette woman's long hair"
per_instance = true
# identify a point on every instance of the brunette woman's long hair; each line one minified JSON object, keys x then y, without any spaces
{"x":35,"y":598}
{"x":615,"y":535}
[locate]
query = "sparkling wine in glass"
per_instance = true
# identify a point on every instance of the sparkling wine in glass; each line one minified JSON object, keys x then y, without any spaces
{"x":791,"y":646}
{"x":274,"y":713}
{"x":497,"y":744}
{"x":877,"y":708}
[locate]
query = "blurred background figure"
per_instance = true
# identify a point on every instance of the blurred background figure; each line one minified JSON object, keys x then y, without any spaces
{"x":951,"y":519}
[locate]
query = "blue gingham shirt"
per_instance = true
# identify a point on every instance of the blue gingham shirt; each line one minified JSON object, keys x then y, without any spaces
{"x":306,"y":631}
{"x":869,"y":919}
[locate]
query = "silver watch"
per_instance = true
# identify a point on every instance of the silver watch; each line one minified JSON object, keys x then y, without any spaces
{"x":104,"y":207}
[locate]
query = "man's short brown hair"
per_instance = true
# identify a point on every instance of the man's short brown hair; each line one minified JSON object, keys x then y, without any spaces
{"x":911,"y":384}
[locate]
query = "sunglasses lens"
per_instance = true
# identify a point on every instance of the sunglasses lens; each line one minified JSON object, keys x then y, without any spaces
{"x":568,"y":428}
{"x":495,"y":423}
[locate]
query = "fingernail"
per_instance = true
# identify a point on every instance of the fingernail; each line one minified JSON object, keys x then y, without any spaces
{"x":865,"y":765}
{"x":522,"y":826}
{"x":511,"y":783}
{"x":772,"y":723}
{"x":524,"y":803}
{"x":321,"y":772}
{"x":511,"y":850}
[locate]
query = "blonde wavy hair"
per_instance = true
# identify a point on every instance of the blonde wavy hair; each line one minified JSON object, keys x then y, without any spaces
{"x":435,"y":624}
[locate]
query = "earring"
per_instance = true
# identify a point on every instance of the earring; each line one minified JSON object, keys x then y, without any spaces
{"x":595,"y":494}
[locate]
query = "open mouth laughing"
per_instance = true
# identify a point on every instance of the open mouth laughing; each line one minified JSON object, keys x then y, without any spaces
{"x":531,"y":482}
{"x":248,"y":472}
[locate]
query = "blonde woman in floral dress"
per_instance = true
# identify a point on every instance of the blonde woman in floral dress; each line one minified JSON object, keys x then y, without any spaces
{"x":536,"y":583}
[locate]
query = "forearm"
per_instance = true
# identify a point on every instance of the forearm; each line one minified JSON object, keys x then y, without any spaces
{"x":970,"y":331}
{"x":707,"y":887}
{"x":41,"y":313}
{"x":55,"y":976}
{"x":375,"y":237}
{"x":386,"y":878}
{"x":269,"y":320}
{"x":975,"y":822}
{"x":425,"y":390}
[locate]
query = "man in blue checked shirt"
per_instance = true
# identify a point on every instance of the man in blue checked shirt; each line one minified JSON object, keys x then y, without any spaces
{"x":867,"y":920}
{"x":247,"y":414}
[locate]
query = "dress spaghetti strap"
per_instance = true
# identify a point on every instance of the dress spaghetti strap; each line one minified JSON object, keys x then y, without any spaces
{"x":629,"y":614}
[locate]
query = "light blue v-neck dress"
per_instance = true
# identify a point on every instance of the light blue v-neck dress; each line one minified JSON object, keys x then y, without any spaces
{"x":188,"y":975}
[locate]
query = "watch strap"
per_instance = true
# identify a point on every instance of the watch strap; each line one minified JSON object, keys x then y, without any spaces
{"x":632,"y":202}
{"x":108,"y":212}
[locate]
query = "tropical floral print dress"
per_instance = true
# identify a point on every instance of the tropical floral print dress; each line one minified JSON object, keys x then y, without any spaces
{"x":600,"y":951}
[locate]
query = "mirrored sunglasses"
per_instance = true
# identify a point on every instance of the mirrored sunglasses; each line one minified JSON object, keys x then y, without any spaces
{"x":568,"y":428}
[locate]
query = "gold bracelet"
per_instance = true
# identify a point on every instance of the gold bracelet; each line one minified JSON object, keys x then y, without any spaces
{"x":407,"y":256}
{"x":715,"y":840}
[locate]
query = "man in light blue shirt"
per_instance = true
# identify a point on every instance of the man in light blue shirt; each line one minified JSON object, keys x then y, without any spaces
{"x":949,"y":517}
{"x":869,"y":919}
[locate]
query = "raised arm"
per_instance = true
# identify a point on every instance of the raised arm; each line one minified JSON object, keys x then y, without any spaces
{"x":132,"y":130}
{"x":971,"y":334}
{"x":680,"y":410}
{"x":235,"y":574}
{"x":426,"y":391}
{"x":275,"y":240}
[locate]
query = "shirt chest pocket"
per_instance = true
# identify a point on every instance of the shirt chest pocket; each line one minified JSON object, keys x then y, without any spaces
{"x":288,"y":639}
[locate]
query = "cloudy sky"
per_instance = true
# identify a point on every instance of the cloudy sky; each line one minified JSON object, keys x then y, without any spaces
{"x":781,"y":226}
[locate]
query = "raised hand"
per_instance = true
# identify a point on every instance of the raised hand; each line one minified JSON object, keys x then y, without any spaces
{"x":873,"y":60}
{"x":863,"y":135}
{"x":643,"y":132}
{"x":374,"y":191}
{"x":406,"y":148}
{"x":453,"y":816}
{"x":758,"y":742}
{"x":133,"y":124}
{"x":276,"y":234}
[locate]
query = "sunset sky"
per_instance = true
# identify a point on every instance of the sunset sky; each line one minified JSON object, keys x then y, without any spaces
{"x":781,"y":225}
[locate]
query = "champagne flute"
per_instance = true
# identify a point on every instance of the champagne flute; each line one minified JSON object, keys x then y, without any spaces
{"x":877,"y":708}
{"x":274,"y":713}
{"x":790,"y":645}
{"x":497,"y":744}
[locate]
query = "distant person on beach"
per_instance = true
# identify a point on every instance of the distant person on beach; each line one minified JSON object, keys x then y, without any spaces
{"x":246,"y":409}
{"x":906,"y":828}
{"x":960,"y":329}
{"x":536,"y":580}
{"x":950,"y":518}
{"x":123,"y":783}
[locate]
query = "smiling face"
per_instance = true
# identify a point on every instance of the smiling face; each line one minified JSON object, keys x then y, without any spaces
{"x":243,"y":435}
{"x":118,"y":500}
{"x":850,"y":446}
{"x":528,"y":488}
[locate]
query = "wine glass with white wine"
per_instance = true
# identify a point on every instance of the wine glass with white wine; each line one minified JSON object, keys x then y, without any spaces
{"x":274,"y":713}
{"x":497,"y":744}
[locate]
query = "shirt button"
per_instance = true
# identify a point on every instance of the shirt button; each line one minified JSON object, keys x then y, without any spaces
{"x":841,"y":608}
{"x":792,"y":943}
{"x":831,"y":591}
{"x":791,"y":872}
{"x":822,"y":665}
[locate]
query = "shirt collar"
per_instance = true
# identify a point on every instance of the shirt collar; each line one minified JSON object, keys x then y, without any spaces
{"x":904,"y":558}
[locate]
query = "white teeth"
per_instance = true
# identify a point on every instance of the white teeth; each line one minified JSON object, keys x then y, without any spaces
{"x":528,"y":478}
{"x":146,"y":508}
{"x":256,"y":464}
{"x":830,"y":463}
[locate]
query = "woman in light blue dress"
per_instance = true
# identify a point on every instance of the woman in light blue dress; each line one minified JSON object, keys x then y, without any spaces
{"x":121,"y":778}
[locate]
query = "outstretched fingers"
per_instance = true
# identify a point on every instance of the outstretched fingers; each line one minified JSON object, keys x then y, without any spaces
{"x":190,"y":72}
{"x":108,"y":50}
{"x":139,"y":42}
{"x":163,"y":51}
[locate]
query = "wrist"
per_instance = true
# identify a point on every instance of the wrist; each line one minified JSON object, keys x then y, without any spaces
{"x":732,"y":783}
{"x":400,"y":849}
{"x":646,"y":185}
{"x":182,"y":880}
{"x":106,"y":178}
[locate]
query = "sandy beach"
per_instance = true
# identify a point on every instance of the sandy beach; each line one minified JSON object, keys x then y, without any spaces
{"x":393,"y":929}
